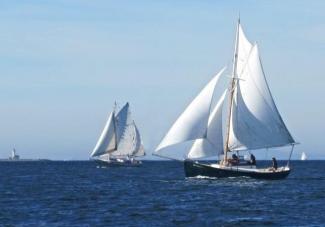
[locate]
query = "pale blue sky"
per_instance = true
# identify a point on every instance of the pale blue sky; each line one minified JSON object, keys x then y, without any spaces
{"x":64,"y":63}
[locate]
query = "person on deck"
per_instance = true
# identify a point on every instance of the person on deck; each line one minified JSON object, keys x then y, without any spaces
{"x":235,"y":159}
{"x":252,"y":160}
{"x":274,"y":164}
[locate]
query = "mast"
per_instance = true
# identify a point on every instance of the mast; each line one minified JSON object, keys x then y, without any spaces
{"x":231,"y":96}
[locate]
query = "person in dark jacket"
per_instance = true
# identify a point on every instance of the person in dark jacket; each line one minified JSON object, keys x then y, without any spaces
{"x":252,"y":160}
{"x":274,"y":164}
{"x":235,"y":159}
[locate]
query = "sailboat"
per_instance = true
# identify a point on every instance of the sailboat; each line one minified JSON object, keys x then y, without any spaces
{"x":244,"y":119}
{"x":14,"y":155}
{"x":120,"y":142}
{"x":303,"y":156}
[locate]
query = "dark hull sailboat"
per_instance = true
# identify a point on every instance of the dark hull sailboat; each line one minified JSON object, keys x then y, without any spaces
{"x":244,"y":119}
{"x":195,"y":169}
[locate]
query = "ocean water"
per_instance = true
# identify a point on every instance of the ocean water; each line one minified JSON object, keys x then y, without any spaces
{"x":156,"y":194}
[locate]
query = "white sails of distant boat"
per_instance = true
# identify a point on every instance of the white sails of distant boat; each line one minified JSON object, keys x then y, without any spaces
{"x":303,"y":156}
{"x":14,"y":155}
{"x":120,"y":139}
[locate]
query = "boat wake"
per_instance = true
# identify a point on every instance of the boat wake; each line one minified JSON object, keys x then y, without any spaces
{"x":203,"y":177}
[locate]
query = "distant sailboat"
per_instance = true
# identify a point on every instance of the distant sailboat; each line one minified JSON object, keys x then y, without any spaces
{"x":120,"y":141}
{"x":14,"y":155}
{"x":244,"y":119}
{"x":303,"y":156}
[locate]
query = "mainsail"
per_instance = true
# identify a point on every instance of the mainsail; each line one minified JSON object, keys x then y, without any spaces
{"x":255,"y":120}
{"x":120,"y":137}
{"x":244,"y":118}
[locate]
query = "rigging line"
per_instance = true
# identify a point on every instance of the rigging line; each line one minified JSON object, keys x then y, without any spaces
{"x":237,"y":84}
{"x":163,"y":156}
{"x":288,"y":163}
{"x":266,"y":147}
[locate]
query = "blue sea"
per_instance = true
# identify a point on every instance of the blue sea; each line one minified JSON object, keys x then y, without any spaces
{"x":77,"y":193}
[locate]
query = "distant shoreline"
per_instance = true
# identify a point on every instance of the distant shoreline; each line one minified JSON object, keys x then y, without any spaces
{"x":25,"y":160}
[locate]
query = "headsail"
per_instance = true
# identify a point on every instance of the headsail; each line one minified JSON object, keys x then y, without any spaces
{"x":138,"y":146}
{"x":107,"y":142}
{"x":212,"y":145}
{"x":255,"y":120}
{"x":192,"y":123}
{"x":303,"y":156}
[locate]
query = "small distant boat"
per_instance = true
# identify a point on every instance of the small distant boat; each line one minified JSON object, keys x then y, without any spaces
{"x":14,"y":155}
{"x":120,"y":142}
{"x":303,"y":156}
{"x":245,"y":119}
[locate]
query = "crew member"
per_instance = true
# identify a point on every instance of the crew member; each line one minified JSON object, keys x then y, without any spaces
{"x":252,"y":160}
{"x":274,"y":164}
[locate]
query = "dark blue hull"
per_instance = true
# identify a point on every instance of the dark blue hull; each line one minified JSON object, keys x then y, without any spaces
{"x":194,"y":169}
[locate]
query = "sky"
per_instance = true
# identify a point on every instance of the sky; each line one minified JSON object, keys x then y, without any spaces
{"x":63,"y":64}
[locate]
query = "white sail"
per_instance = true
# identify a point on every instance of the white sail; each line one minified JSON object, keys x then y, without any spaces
{"x":192,"y":123}
{"x":244,"y":48}
{"x":303,"y":156}
{"x":129,"y":143}
{"x":126,"y":145}
{"x":107,"y":141}
{"x":125,"y":132}
{"x":212,"y":145}
{"x":138,"y":147}
{"x":123,"y":119}
{"x":255,"y":120}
